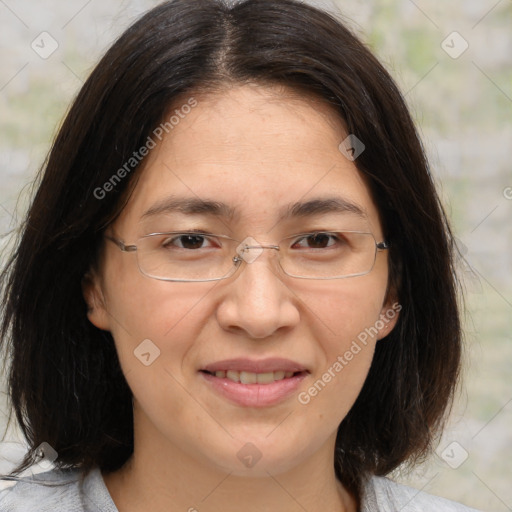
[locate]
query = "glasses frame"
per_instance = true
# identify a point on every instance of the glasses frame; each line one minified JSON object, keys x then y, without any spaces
{"x":237,"y":259}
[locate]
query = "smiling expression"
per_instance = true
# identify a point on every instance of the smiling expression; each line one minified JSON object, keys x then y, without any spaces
{"x":228,"y":359}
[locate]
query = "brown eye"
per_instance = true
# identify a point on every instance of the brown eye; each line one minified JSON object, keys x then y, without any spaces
{"x":316,"y":241}
{"x":188,"y":241}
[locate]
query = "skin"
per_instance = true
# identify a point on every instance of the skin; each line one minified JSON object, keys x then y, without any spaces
{"x":256,"y":148}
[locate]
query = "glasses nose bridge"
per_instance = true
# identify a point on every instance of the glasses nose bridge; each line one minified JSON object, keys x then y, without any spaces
{"x":249,"y":252}
{"x":263,"y":246}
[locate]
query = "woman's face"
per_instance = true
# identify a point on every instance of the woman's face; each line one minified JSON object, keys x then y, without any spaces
{"x":259,"y":151}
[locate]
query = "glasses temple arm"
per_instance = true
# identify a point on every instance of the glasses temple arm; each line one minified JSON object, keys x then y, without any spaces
{"x":122,"y":245}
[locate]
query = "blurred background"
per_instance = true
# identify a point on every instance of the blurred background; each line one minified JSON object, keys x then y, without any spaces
{"x":453,"y":62}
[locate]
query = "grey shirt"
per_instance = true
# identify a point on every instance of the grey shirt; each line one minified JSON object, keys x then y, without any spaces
{"x":69,"y":491}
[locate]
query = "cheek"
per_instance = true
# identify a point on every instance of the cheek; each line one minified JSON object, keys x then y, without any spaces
{"x":155,"y":326}
{"x":156,"y":317}
{"x":332,"y":391}
{"x":340,"y":310}
{"x":345,"y":319}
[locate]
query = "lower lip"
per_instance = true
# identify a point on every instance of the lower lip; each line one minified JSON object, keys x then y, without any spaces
{"x":255,"y":395}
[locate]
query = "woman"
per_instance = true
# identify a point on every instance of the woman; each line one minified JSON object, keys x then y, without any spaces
{"x":234,"y":288}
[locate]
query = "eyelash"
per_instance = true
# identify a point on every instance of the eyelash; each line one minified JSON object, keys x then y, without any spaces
{"x":208,"y":236}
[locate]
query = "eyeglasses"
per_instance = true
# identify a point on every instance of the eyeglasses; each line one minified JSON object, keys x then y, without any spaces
{"x":201,"y":256}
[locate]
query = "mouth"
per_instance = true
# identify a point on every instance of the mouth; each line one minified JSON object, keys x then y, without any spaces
{"x":244,"y":377}
{"x":251,"y":383}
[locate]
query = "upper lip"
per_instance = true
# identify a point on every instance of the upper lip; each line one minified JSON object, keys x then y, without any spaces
{"x":255,"y":366}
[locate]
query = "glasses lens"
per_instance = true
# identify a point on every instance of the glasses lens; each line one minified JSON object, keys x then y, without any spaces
{"x":189,"y":256}
{"x":328,"y":255}
{"x":185,"y":256}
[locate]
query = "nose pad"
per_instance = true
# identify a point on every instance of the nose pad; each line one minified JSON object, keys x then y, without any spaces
{"x":250,"y":250}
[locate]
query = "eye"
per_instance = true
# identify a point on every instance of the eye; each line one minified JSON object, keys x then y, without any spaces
{"x":319,"y":240}
{"x":189,"y":241}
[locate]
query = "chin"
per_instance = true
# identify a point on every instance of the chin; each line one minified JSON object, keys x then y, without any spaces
{"x":258,"y":456}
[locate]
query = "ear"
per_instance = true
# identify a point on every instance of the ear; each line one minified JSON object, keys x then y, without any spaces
{"x":388,"y":317}
{"x":95,"y":300}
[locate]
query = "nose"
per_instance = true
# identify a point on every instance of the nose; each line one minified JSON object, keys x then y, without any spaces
{"x":257,"y":301}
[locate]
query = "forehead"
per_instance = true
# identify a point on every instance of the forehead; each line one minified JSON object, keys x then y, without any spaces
{"x":260,"y":151}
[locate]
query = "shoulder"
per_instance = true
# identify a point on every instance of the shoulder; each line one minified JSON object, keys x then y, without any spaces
{"x":381,"y":493}
{"x":56,"y":491}
{"x":41,"y":492}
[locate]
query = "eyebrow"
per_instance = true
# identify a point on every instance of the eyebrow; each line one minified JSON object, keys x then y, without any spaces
{"x":197,"y":206}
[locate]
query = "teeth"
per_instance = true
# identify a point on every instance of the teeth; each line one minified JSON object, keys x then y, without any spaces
{"x":232,"y":375}
{"x":265,"y":378}
{"x":253,"y":378}
{"x":248,"y":378}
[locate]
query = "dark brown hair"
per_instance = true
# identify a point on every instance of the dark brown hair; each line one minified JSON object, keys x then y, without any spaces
{"x":65,"y":381}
